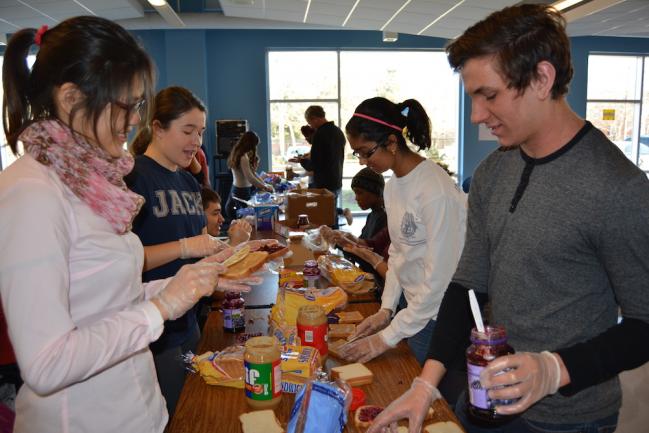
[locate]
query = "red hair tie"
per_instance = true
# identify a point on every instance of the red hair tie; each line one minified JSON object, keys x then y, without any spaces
{"x":38,"y":37}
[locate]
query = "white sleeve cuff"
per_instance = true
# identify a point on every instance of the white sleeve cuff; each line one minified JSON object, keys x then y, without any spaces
{"x":154,"y":318}
{"x":390,"y":336}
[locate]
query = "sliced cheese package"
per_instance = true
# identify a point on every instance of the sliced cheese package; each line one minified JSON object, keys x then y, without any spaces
{"x":298,"y":365}
{"x":341,"y":272}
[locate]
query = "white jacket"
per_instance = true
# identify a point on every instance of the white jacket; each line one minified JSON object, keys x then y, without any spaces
{"x":427,"y":222}
{"x":76,"y":311}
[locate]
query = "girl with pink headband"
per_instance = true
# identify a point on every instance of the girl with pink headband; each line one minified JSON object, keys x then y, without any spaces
{"x":426,"y":220}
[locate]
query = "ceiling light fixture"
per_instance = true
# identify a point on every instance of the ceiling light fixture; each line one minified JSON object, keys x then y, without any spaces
{"x":306,"y":12}
{"x":440,"y":17}
{"x":390,"y":36}
{"x":167,"y":13}
{"x":395,"y":14}
{"x":349,"y":15}
{"x":565,"y":4}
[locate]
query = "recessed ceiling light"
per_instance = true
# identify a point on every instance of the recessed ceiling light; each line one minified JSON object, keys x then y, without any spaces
{"x":157,"y":3}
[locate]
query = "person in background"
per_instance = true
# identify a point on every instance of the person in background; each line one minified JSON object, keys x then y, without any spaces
{"x":243,"y":175}
{"x":426,"y":217}
{"x":557,"y":241}
{"x":171,"y":223}
{"x":79,"y":318}
{"x":368,"y":190}
{"x":212,"y":208}
{"x":327,"y":155}
{"x":199,"y":168}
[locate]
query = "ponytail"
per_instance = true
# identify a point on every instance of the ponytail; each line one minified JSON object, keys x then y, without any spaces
{"x":15,"y":73}
{"x":141,"y":141}
{"x":381,"y":117}
{"x":417,"y":123}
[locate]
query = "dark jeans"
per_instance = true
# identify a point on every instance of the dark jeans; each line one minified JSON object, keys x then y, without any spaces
{"x":232,"y":205}
{"x":522,"y":425}
{"x":171,"y":371}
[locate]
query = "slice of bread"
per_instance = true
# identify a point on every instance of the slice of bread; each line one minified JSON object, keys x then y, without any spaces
{"x":402,"y":429}
{"x":247,"y":266}
{"x":364,"y":416}
{"x":274,"y":250}
{"x":337,"y":330}
{"x":334,"y":346}
{"x":260,"y":421}
{"x":354,"y":374}
{"x":443,"y":427}
{"x":350,"y":317}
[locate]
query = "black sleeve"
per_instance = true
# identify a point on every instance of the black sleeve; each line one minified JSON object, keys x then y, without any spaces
{"x":622,"y":347}
{"x":453,"y":328}
{"x":307,"y":164}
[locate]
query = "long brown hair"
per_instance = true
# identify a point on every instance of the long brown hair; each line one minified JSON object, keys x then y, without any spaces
{"x":247,"y":145}
{"x":98,"y":56}
{"x":169,"y":104}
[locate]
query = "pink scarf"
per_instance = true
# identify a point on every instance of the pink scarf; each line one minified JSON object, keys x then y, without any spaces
{"x":88,"y":170}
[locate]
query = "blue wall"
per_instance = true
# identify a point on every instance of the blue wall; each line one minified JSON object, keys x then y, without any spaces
{"x":227,"y":69}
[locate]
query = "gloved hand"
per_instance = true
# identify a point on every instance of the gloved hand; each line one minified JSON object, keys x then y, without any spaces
{"x":413,"y":405}
{"x":364,"y":349}
{"x":530,"y":377}
{"x":328,"y":234}
{"x":366,"y":254}
{"x":191,"y":283}
{"x":242,"y":285}
{"x":200,"y":246}
{"x":239,"y":232}
{"x":269,"y":188}
{"x":373,"y":324}
{"x":345,"y":239}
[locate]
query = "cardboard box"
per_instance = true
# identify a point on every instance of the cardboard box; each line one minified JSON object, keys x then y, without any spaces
{"x":317,"y":203}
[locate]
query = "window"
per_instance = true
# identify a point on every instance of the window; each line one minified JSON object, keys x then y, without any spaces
{"x":339,"y":80}
{"x":618,"y":102}
{"x":6,"y":155}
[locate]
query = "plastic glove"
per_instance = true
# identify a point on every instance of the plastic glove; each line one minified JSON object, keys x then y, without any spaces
{"x":373,"y":323}
{"x":200,"y":246}
{"x":364,"y":349}
{"x":529,"y":376}
{"x":190,"y":284}
{"x":345,"y":239}
{"x":413,"y":405}
{"x":242,"y":285}
{"x":328,"y":234}
{"x":268,"y":187}
{"x":239,"y":232}
{"x":366,"y":254}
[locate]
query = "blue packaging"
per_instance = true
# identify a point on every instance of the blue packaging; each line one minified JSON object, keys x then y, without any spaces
{"x":322,"y":407}
{"x":266,"y":216}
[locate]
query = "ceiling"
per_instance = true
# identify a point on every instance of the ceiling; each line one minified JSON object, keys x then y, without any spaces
{"x":440,"y":18}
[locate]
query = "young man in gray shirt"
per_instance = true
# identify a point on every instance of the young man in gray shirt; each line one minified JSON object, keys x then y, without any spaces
{"x":557,"y":241}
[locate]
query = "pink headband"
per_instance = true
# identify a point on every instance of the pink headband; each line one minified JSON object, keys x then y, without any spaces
{"x":374,"y":119}
{"x":38,"y":37}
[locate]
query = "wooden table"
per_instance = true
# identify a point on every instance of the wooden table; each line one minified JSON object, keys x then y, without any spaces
{"x":208,"y":408}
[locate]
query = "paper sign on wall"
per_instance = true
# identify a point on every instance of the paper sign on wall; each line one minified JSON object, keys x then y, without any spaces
{"x":608,"y":114}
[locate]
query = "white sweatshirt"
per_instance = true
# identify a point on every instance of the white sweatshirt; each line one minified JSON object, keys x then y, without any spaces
{"x":427,"y":222}
{"x":245,"y":176}
{"x":76,"y":310}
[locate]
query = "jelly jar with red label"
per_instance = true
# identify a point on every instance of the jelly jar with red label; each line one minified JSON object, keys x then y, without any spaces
{"x":233,"y":313}
{"x":485,"y":347}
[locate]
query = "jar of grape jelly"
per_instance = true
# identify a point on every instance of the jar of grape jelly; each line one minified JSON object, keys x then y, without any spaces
{"x":485,"y":347}
{"x":233,"y":313}
{"x":310,"y":273}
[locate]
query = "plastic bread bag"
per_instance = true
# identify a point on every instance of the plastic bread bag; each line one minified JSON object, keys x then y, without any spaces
{"x":223,"y":368}
{"x":289,"y":302}
{"x":341,"y":272}
{"x":320,"y":407}
{"x":315,"y":242}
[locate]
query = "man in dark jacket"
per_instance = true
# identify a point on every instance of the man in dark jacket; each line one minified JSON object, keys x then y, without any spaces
{"x":327,"y":152}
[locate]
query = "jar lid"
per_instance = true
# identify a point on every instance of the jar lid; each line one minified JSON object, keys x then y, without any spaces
{"x":310,"y":264}
{"x":358,"y":399}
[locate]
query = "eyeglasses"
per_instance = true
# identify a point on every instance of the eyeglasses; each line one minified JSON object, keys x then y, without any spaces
{"x":135,"y":107}
{"x":368,"y":154}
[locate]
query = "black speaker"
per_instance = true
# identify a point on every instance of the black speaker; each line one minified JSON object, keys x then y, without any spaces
{"x":228,"y":132}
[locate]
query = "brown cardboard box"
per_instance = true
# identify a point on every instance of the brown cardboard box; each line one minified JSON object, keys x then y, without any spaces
{"x":317,"y":203}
